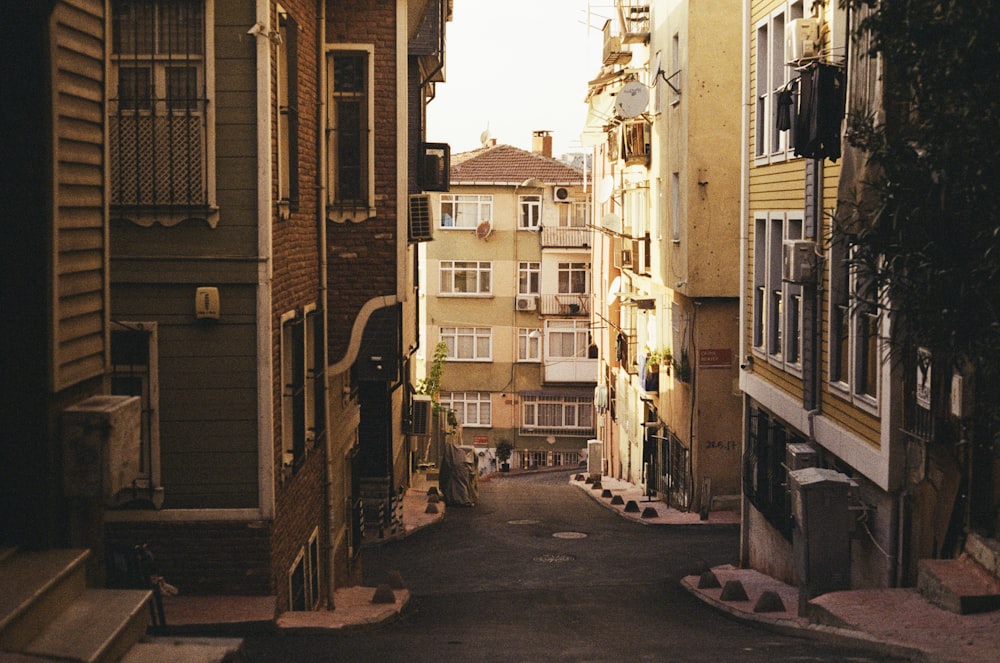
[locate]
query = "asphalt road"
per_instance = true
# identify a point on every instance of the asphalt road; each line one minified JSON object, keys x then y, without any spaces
{"x":539,"y":571}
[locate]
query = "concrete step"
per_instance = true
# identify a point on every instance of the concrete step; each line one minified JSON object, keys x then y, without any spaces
{"x":186,"y":650}
{"x":37,"y":585}
{"x":958,"y":585}
{"x":100,"y":626}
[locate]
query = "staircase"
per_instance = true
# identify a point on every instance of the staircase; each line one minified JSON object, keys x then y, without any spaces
{"x":966,"y":585}
{"x":47,"y":610}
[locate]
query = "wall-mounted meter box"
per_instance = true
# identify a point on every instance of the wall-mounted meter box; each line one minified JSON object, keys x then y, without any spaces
{"x":206,"y":303}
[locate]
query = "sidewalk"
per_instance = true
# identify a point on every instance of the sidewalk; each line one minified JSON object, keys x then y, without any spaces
{"x":894,"y":622}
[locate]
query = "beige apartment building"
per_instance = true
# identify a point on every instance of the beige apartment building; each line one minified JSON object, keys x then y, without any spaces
{"x":507,"y":289}
{"x":664,"y":122}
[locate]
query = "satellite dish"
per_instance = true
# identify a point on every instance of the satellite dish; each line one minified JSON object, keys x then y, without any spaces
{"x":657,"y":67}
{"x":614,"y":290}
{"x":606,"y":188}
{"x":484,"y":229}
{"x":632,"y":100}
{"x":484,"y":138}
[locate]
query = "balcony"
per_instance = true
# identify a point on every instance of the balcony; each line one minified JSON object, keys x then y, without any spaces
{"x":565,"y":237}
{"x":564,"y":304}
{"x":563,"y":370}
{"x":634,"y":18}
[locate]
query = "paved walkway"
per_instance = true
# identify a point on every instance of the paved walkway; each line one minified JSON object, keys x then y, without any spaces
{"x":896,"y":622}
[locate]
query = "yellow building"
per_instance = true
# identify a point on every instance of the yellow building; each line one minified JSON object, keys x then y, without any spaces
{"x":664,"y":122}
{"x":507,"y":288}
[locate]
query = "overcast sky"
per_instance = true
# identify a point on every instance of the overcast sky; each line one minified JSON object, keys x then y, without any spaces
{"x":516,"y":66}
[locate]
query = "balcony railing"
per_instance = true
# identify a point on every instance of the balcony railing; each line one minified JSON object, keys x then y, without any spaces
{"x":564,"y":304}
{"x":565,"y":237}
{"x":634,"y":17}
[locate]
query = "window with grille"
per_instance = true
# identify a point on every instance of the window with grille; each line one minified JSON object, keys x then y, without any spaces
{"x":350,"y":138}
{"x":158,"y":98}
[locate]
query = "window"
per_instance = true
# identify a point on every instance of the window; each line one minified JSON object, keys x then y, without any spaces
{"x":465,"y":210}
{"x":530,"y":211}
{"x":529,"y":345}
{"x":553,"y":411}
{"x":675,"y":207}
{"x":159,"y":120}
{"x":468,"y":343}
{"x":772,"y":74}
{"x":315,"y":396}
{"x":675,"y":61}
{"x":304,"y":577}
{"x":777,"y":306}
{"x":466,"y":277}
{"x":581,"y":214}
{"x":529,"y":276}
{"x":854,"y":327}
{"x":287,"y":113}
{"x":293,"y":388}
{"x":135,"y":372}
{"x":567,"y":339}
{"x":574,"y":278}
{"x":350,"y":142}
{"x":764,"y":474}
{"x":472,"y":408}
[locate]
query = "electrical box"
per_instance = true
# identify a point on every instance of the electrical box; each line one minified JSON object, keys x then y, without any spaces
{"x":206,"y":303}
{"x":798,"y":261}
{"x":821,"y":536}
{"x":801,"y":455}
{"x":802,"y":39}
{"x":595,"y":457}
{"x":101,"y":439}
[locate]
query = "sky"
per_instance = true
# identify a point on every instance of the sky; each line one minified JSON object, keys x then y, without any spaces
{"x":517,"y":66}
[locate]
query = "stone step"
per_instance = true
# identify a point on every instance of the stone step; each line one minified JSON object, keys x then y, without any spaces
{"x":99,"y":626}
{"x":958,"y":585}
{"x":186,"y":650}
{"x":37,"y":585}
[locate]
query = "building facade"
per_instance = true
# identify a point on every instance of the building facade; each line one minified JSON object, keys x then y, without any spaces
{"x":508,"y":292}
{"x":664,"y":123}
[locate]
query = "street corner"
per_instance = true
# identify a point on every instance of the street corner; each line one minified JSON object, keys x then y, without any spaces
{"x":631,"y":501}
{"x":353,"y":608}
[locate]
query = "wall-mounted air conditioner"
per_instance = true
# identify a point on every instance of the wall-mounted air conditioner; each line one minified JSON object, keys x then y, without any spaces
{"x":560,"y":194}
{"x":420,"y":416}
{"x":798,"y":261}
{"x":802,"y":39}
{"x":526,"y":302}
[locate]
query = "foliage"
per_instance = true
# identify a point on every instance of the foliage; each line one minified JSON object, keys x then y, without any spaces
{"x":659,"y":356}
{"x":682,"y":367}
{"x":504,"y":450}
{"x":934,"y":247}
{"x":432,"y":383}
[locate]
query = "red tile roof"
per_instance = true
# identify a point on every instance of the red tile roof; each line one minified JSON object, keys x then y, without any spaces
{"x":506,"y":164}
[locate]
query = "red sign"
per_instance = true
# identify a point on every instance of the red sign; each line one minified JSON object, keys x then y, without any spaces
{"x":480,"y":441}
{"x":721,"y":358}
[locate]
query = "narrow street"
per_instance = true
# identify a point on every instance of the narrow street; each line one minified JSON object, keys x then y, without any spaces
{"x":538,"y":571}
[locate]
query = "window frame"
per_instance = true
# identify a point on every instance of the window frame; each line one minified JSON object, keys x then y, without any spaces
{"x":287,"y":114}
{"x":529,"y":277}
{"x":568,"y":274}
{"x":477,"y":401}
{"x":341,"y":209}
{"x":529,"y":349}
{"x":576,"y":409}
{"x":173,"y":194}
{"x":452,"y":335}
{"x":479,"y":271}
{"x":771,"y":145}
{"x":529,"y":212}
{"x":483,"y":204}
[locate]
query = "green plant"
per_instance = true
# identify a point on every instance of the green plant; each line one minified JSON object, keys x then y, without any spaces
{"x":431,"y":384}
{"x":682,"y":367}
{"x":504,"y":449}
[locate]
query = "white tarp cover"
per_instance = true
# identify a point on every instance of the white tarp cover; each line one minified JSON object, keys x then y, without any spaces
{"x":459,"y":476}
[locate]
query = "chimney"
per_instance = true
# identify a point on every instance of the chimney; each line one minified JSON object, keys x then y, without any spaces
{"x":541,"y":143}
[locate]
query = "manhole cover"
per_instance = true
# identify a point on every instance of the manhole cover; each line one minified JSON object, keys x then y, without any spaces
{"x":526,"y":521}
{"x":554,"y":558}
{"x":570,"y":535}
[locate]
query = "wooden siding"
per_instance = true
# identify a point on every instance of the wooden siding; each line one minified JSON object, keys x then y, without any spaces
{"x":79,"y":250}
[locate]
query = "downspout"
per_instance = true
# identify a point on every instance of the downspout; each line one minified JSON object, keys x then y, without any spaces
{"x":332,"y":508}
{"x":744,"y":552}
{"x":265,"y":377}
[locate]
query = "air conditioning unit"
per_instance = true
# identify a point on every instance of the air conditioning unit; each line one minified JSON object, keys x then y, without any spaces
{"x":526,"y":302}
{"x":421,"y":218}
{"x":798,"y":261}
{"x":560,"y":194}
{"x":420,"y":417}
{"x":802,"y":39}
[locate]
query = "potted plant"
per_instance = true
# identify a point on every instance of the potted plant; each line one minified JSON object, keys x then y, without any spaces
{"x":683,"y":367}
{"x":504,"y":450}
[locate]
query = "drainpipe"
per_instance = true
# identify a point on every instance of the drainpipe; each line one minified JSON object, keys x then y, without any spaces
{"x":265,"y":267}
{"x":744,"y":554}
